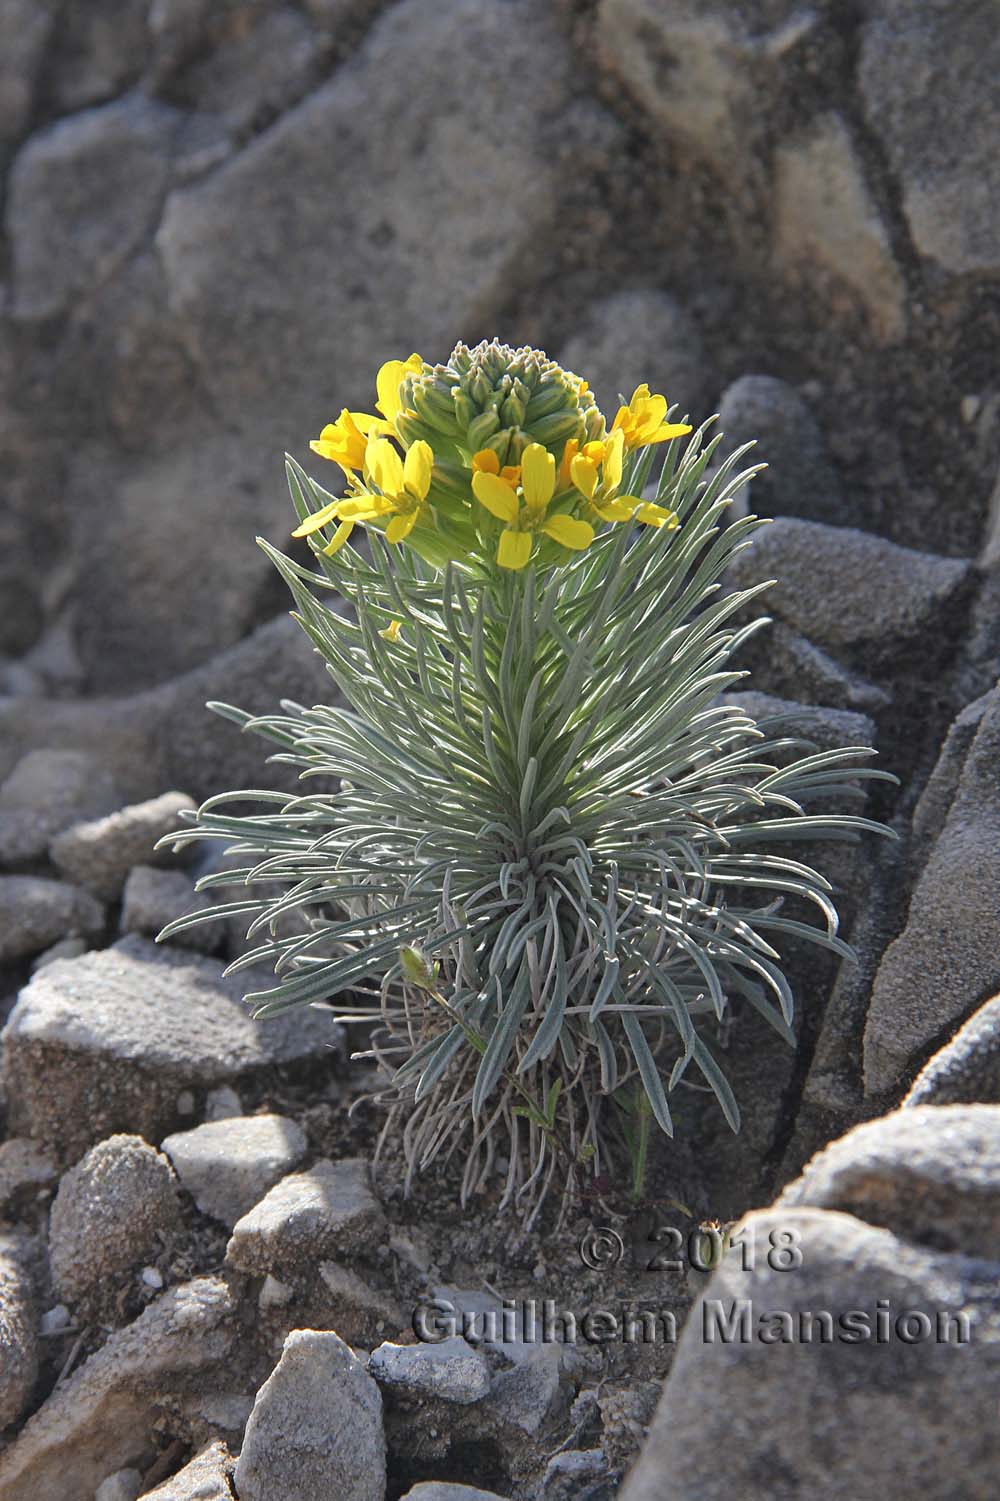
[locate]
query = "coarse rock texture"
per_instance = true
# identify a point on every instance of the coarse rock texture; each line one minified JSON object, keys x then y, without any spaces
{"x":108,"y":1042}
{"x":100,"y":854}
{"x":930,"y":1174}
{"x":791,"y":1413}
{"x":800,"y":479}
{"x":325,"y":1212}
{"x":18,"y":1332}
{"x":24,"y":1169}
{"x":316,"y":1427}
{"x":153,"y":898}
{"x":633,"y":337}
{"x":108,"y":1214}
{"x":946,"y":961}
{"x":207,"y":1478}
{"x":101,"y":1418}
{"x":448,"y":1490}
{"x":967,"y":1069}
{"x":450,"y":1369}
{"x":227,"y":1166}
{"x":36,"y":912}
{"x":46,"y":792}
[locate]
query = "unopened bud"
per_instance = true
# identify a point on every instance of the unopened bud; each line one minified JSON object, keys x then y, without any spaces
{"x":417,"y":970}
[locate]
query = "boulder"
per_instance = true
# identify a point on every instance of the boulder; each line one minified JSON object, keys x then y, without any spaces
{"x":100,"y":853}
{"x":967,"y":1069}
{"x":800,"y":479}
{"x":152,"y":898}
{"x":36,"y":912}
{"x":111,"y":1211}
{"x":638,"y":335}
{"x":25,"y":27}
{"x":46,"y":792}
{"x":316,"y":1427}
{"x":325,"y":1212}
{"x":227,"y":1166}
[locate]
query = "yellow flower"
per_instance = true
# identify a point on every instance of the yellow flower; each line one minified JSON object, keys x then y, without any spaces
{"x":487,"y":462}
{"x":597,"y":476}
{"x":388,"y":381}
{"x":344,"y":441}
{"x":642,"y":420}
{"x":594,"y":450}
{"x":392,"y":630}
{"x":403,"y":486}
{"x":524,"y":509}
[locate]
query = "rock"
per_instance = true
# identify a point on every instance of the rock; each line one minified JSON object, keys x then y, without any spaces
{"x":124,"y":1485}
{"x":316,"y":1427}
{"x":222,"y":1104}
{"x":850,"y":589}
{"x":24,"y":1169}
{"x":923,"y":68}
{"x":102,"y":1417}
{"x":35,"y":912}
{"x":905,"y":1381}
{"x":66,"y":948}
{"x":46,"y":792}
{"x":152,"y":898}
{"x":931,"y":812}
{"x":361,"y":1314}
{"x":101,"y":853}
{"x":227,"y":1166}
{"x":451,"y":1371}
{"x":99,"y":51}
{"x":930,"y":1174}
{"x":965,"y":1072}
{"x":570,"y":1475}
{"x":18,"y":1334}
{"x":324,"y":1212}
{"x":271,"y":205}
{"x":83,"y":196}
{"x":634,"y":336}
{"x":826,"y":217}
{"x":109,"y":1214}
{"x":56,"y":1319}
{"x":207,"y":1478}
{"x":946,"y":960}
{"x":274,"y":1294}
{"x":788,"y":665}
{"x":25,"y":26}
{"x":448,"y":1490}
{"x":800,"y":479}
{"x":108,"y":1042}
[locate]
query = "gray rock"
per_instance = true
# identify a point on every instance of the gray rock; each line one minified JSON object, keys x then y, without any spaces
{"x":800,"y":479}
{"x":227,"y":1166}
{"x":931,"y":812}
{"x":930,"y":1174}
{"x":123,"y":1485}
{"x":46,"y":792}
{"x":25,"y":27}
{"x":449,"y":1490}
{"x":109,"y":1214}
{"x":845,"y":588}
{"x":100,"y":853}
{"x":361,"y":1313}
{"x":84,"y":194}
{"x":946,"y":961}
{"x":272,"y":200}
{"x":222,"y":1104}
{"x":152,"y":898}
{"x":788,"y":665}
{"x":24,"y":1169}
{"x":100,"y":51}
{"x":634,"y":336}
{"x":924,"y":67}
{"x":967,"y":1070}
{"x":324,"y":1212}
{"x":66,"y":948}
{"x":100,"y":1418}
{"x":451,"y":1371}
{"x":827,"y":218}
{"x":791,"y":1418}
{"x":316,"y":1427}
{"x":18,"y":1334}
{"x":207,"y":1478}
{"x":36,"y":912}
{"x":108,"y":1042}
{"x":570,"y":1476}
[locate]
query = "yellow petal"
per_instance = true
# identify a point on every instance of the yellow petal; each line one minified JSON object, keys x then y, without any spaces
{"x":317,"y":520}
{"x":569,"y":454}
{"x":363,"y":507}
{"x":401,"y":526}
{"x":388,"y":381}
{"x":667,"y":431}
{"x":341,"y":535}
{"x":611,"y":472}
{"x":496,"y":495}
{"x":583,"y":472}
{"x":538,"y":476}
{"x":653,"y":515}
{"x":417,"y":469}
{"x":514,"y":549}
{"x":385,"y":466}
{"x":392,"y":630}
{"x":485,"y":461}
{"x":569,"y":532}
{"x":616,"y":510}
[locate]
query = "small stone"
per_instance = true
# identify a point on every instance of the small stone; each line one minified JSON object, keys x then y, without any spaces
{"x":47,"y":791}
{"x":316,"y":1427}
{"x":18,"y":1335}
{"x":207,"y":1478}
{"x":565,"y":1473}
{"x":222,"y":1104}
{"x":360,"y":1312}
{"x":101,"y":853}
{"x":56,"y":1319}
{"x":98,"y":1420}
{"x":185,"y":1103}
{"x":36,"y":912}
{"x":25,"y":1167}
{"x":227,"y":1166}
{"x":274,"y":1294}
{"x":107,"y":1215}
{"x":124,"y":1485}
{"x":448,"y":1490}
{"x":66,"y":948}
{"x":451,"y":1370}
{"x":324,"y":1212}
{"x":151,"y":1276}
{"x":153,"y":898}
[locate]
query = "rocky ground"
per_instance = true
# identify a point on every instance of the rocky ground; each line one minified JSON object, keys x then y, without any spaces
{"x":784,"y":213}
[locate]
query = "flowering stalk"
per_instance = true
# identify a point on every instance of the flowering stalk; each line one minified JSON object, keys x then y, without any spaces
{"x":534,"y":784}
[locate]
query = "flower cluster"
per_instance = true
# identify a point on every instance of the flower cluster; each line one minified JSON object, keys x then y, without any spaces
{"x":498,"y":455}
